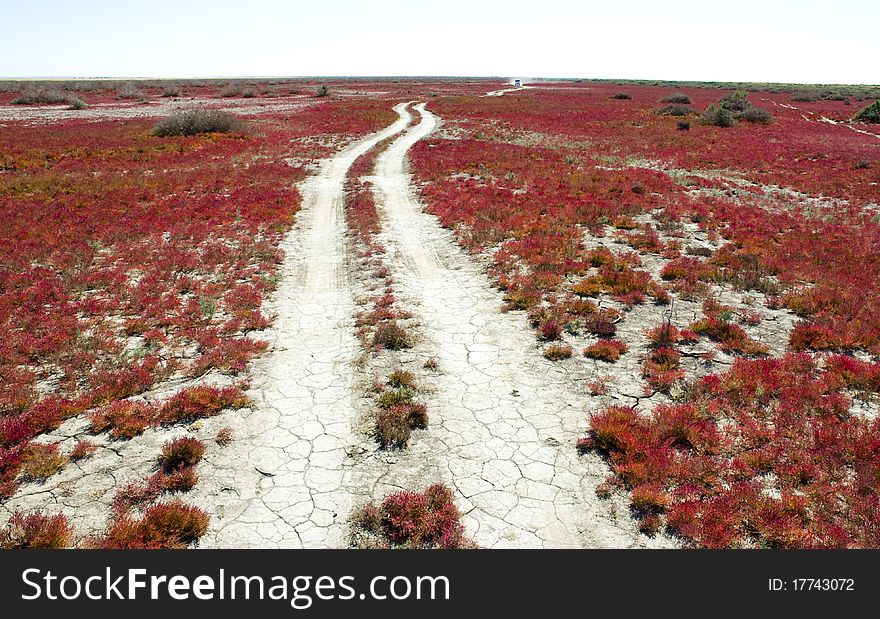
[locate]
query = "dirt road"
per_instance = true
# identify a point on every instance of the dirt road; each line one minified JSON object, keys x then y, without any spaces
{"x":282,"y":482}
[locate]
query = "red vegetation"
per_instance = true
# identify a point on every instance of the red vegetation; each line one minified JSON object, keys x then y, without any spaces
{"x":124,"y":252}
{"x":170,"y":524}
{"x":606,"y":350}
{"x":426,"y":519}
{"x":36,"y":531}
{"x":767,"y":454}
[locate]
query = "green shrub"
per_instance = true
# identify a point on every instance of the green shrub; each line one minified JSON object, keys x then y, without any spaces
{"x":717,"y":116}
{"x":677,"y":97}
{"x":675,"y":110}
{"x":757,"y":115}
{"x":737,"y":101}
{"x":194,"y":122}
{"x":130,"y":91}
{"x":33,"y":96}
{"x":869,"y":113}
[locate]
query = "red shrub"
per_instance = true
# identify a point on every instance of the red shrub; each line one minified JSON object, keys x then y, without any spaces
{"x":606,"y":350}
{"x":171,"y":524}
{"x":36,"y":531}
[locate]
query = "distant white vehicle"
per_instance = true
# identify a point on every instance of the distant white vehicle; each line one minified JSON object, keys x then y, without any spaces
{"x":517,"y":83}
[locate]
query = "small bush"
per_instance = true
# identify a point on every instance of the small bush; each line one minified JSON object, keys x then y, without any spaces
{"x":392,"y":336}
{"x":757,"y":115}
{"x":49,"y":96}
{"x":601,"y":328}
{"x":417,"y":416}
{"x":238,"y":90}
{"x":621,"y":95}
{"x":36,"y":531}
{"x":401,"y":378}
{"x":869,"y":114}
{"x":82,"y":450}
{"x":181,"y":453}
{"x":130,"y":91}
{"x":737,"y":101}
{"x":683,"y":125}
{"x":606,"y":350}
{"x":392,"y":426}
{"x":75,"y":103}
{"x":550,"y":329}
{"x":675,"y":110}
{"x":41,"y":95}
{"x":431,"y":364}
{"x":804,"y":96}
{"x":717,"y":116}
{"x":41,"y":460}
{"x":664,"y":335}
{"x":171,"y":91}
{"x":323,"y":91}
{"x":677,"y":97}
{"x":198,"y":121}
{"x":557,"y":352}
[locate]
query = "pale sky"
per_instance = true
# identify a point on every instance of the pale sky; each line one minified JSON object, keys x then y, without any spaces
{"x":803,"y":41}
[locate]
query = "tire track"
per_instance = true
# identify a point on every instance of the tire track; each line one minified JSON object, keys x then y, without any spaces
{"x":503,"y":420}
{"x":283,"y":482}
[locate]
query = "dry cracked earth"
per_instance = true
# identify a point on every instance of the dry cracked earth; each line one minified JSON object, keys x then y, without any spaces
{"x":503,"y":419}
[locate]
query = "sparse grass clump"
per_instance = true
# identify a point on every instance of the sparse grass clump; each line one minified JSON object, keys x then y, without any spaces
{"x":41,"y":460}
{"x":82,"y":450}
{"x":621,"y":95}
{"x":427,"y":519}
{"x":36,"y":531}
{"x":198,"y":121}
{"x":392,"y":336}
{"x":224,"y":436}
